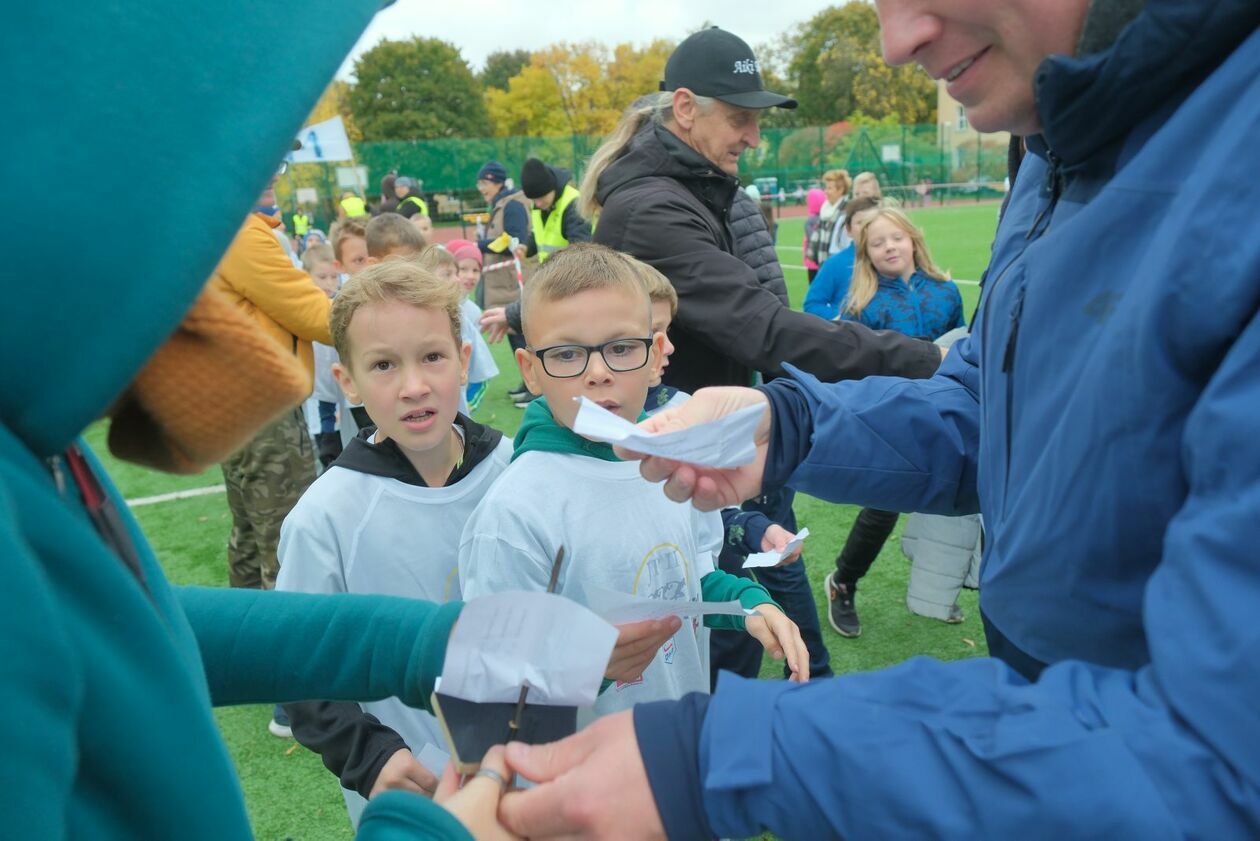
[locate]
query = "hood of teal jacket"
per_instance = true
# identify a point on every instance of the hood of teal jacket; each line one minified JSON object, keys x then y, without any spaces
{"x":183,"y":107}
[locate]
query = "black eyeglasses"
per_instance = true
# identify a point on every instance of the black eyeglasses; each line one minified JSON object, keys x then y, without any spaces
{"x":620,"y":355}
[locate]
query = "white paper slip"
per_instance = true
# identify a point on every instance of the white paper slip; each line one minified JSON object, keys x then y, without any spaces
{"x":725,"y":442}
{"x":434,"y":758}
{"x":772,"y":558}
{"x":621,"y":608}
{"x":502,"y":642}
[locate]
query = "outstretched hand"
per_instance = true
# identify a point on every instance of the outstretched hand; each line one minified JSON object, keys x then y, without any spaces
{"x":590,"y":785}
{"x":708,"y":488}
{"x":780,"y":637}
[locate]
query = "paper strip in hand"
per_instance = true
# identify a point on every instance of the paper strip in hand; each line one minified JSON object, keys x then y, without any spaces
{"x":508,"y":640}
{"x":722,"y":443}
{"x":772,"y":558}
{"x":621,"y":608}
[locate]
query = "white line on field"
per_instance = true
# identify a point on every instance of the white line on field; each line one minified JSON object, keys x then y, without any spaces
{"x":174,"y":495}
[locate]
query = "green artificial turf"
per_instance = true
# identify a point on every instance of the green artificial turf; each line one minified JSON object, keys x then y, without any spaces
{"x":288,"y":792}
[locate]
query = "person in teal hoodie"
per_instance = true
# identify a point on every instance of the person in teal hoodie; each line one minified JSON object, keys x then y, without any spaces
{"x":108,"y":673}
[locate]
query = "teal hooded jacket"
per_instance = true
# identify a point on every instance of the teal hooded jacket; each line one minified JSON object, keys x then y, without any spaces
{"x":176,"y":114}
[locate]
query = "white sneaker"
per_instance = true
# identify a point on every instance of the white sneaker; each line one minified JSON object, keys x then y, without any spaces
{"x":279,"y":730}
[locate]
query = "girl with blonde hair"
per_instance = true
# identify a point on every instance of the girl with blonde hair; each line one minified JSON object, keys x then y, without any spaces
{"x":895,"y":286}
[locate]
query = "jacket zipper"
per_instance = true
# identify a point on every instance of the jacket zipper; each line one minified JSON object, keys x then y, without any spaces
{"x":1054,"y":183}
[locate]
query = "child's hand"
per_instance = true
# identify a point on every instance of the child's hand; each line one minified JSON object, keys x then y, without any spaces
{"x":494,"y":324}
{"x":401,"y":771}
{"x":637,"y":644}
{"x":776,"y":539}
{"x":780,"y":636}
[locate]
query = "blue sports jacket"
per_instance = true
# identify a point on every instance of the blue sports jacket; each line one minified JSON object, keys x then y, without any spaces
{"x":830,"y":285}
{"x":923,"y":308}
{"x":1109,"y":433}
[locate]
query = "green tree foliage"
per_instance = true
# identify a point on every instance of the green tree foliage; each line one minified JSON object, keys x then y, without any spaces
{"x":416,"y":90}
{"x":502,"y":65}
{"x":836,"y":69}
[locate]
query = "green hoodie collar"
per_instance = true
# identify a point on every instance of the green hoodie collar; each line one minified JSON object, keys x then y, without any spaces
{"x":541,"y":431}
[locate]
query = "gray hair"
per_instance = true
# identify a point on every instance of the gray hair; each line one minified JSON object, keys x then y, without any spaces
{"x":657,"y":108}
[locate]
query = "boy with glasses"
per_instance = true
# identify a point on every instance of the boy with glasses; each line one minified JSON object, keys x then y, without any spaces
{"x":587,"y":326}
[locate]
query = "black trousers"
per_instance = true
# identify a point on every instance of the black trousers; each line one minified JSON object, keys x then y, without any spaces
{"x":870,"y":533}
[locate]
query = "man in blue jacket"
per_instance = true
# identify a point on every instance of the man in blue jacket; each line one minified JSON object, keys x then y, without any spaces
{"x":1104,"y":426}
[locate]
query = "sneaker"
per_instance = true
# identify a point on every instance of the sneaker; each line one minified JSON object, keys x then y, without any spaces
{"x":518,"y":393}
{"x":841,"y":611}
{"x":279,"y":724}
{"x":523,"y":402}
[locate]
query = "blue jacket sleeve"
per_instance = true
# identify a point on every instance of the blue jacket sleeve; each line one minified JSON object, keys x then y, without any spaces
{"x":743,"y":530}
{"x":928,"y":749}
{"x":883,"y":442}
{"x":830,"y":286}
{"x":574,"y":226}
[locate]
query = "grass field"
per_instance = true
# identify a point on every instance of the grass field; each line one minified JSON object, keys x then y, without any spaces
{"x":291,"y":796}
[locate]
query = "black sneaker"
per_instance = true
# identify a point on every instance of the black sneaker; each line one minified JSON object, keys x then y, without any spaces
{"x":523,"y":402}
{"x":518,"y":393}
{"x":841,"y":611}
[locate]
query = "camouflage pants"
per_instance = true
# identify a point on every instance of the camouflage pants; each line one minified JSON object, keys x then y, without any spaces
{"x":264,"y":481}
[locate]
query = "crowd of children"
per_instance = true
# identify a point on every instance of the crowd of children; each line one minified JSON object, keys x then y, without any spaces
{"x":418,"y":499}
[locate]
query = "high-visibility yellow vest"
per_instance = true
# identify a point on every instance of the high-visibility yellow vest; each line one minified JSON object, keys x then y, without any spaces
{"x":301,"y":224}
{"x":416,"y":200}
{"x":353,"y":206}
{"x":549,"y":236}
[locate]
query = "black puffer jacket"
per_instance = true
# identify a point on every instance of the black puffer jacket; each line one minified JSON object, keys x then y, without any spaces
{"x":668,"y":206}
{"x":755,"y":246}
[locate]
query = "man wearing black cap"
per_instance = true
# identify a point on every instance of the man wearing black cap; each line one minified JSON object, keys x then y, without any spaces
{"x":667,"y":195}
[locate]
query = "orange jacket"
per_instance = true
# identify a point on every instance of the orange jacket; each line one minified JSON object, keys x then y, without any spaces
{"x":262,"y":280}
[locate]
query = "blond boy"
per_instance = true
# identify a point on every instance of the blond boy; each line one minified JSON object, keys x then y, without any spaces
{"x":387,"y":516}
{"x":392,"y":235}
{"x":588,"y":332}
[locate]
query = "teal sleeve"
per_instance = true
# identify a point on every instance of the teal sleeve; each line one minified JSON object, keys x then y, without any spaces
{"x":403,"y":816}
{"x":262,"y":646}
{"x":721,"y":586}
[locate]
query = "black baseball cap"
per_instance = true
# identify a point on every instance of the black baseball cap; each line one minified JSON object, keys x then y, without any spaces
{"x":717,"y":63}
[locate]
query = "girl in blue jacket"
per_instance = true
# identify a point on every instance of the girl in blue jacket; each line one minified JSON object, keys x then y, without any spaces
{"x":895,"y":286}
{"x":831,"y":285}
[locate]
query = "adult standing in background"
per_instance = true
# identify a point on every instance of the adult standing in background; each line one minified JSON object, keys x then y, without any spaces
{"x":664,"y":183}
{"x":500,"y":272}
{"x":410,"y":202}
{"x":824,"y":239}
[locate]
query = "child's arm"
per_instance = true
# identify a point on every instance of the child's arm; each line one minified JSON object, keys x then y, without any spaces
{"x":744,"y":530}
{"x":778,"y":634}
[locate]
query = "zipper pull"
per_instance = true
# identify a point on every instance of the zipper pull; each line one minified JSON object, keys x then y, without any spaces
{"x":1008,"y":358}
{"x":58,"y":474}
{"x":1054,"y":183}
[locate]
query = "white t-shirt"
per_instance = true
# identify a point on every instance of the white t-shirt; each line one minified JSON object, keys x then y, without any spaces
{"x":619,"y":532}
{"x":354,"y":532}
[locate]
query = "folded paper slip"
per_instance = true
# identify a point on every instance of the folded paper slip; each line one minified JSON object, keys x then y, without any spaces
{"x":723,"y":443}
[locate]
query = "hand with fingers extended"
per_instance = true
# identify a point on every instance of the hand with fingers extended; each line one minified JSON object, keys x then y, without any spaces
{"x":637,"y":644}
{"x":780,"y":637}
{"x":478,"y":802}
{"x":402,"y":772}
{"x":708,"y":488}
{"x":590,"y":785}
{"x":494,"y":324}
{"x":776,"y":539}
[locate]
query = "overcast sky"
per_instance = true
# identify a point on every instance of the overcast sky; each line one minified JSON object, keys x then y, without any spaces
{"x":480,"y":27}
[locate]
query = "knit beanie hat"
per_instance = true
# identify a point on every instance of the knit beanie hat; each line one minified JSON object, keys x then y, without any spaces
{"x":467,"y":252}
{"x":492,"y":171}
{"x":537,"y":179}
